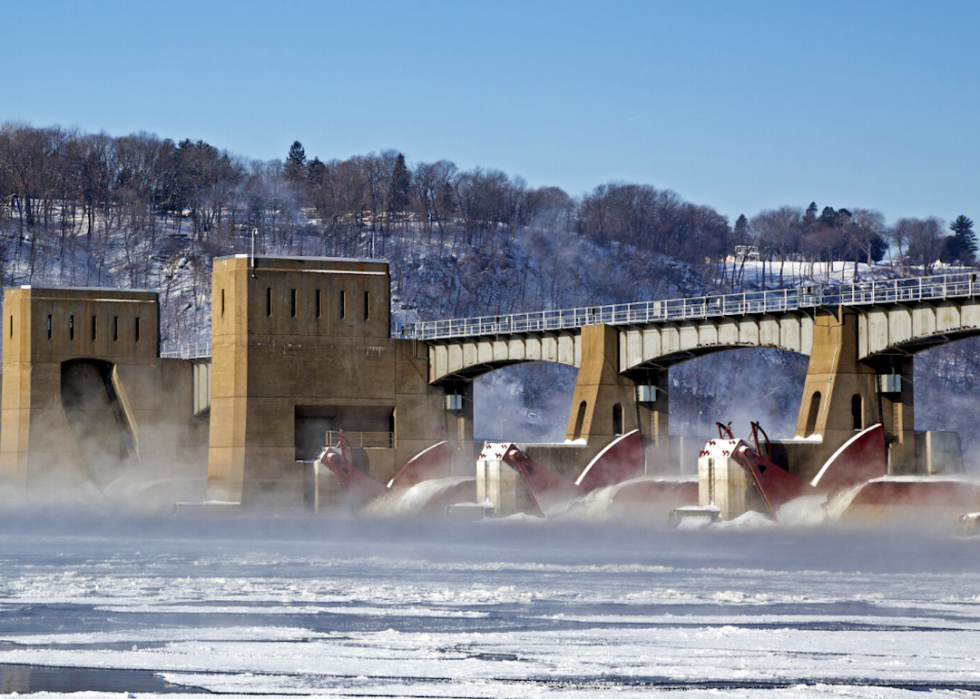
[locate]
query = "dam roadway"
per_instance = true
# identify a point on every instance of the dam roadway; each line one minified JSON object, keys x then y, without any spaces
{"x":900,"y":316}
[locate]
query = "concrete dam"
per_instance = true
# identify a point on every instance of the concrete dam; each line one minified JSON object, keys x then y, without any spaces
{"x":302,"y":348}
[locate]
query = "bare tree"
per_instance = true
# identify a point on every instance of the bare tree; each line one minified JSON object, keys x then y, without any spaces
{"x":926,"y":242}
{"x":866,"y":229}
{"x":901,"y":236}
{"x":778,"y":232}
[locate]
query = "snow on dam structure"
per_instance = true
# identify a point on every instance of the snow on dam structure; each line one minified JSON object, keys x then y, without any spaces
{"x":302,"y":347}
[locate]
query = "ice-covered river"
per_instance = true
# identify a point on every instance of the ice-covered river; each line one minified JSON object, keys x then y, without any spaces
{"x":383,"y":608}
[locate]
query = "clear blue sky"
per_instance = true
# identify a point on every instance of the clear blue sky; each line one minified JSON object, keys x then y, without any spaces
{"x":740,"y":105}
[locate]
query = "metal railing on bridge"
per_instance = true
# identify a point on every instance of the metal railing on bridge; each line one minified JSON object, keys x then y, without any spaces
{"x":185,"y":350}
{"x":362,"y":440}
{"x":906,"y":289}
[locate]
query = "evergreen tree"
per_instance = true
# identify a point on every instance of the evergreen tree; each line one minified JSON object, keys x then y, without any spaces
{"x":962,"y":246}
{"x":401,"y":181}
{"x":296,"y":162}
{"x":878,"y":249}
{"x":741,"y":228}
{"x":316,"y":177}
{"x":828,"y":216}
{"x":316,"y":172}
{"x":810,"y":217}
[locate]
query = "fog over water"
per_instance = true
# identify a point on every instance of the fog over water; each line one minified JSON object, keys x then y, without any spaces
{"x":368,"y":607}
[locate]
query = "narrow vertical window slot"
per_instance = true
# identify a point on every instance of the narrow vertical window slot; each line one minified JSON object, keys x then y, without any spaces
{"x":93,"y":328}
{"x":580,"y":419}
{"x":857,"y":412}
{"x":811,"y":419}
{"x":49,"y":327}
{"x":343,"y":304}
{"x":71,"y":327}
{"x":137,"y":329}
{"x":367,"y":305}
{"x":115,"y":328}
{"x":268,"y":302}
{"x":292,"y":303}
{"x":11,"y":326}
{"x":317,"y":303}
{"x":222,"y":303}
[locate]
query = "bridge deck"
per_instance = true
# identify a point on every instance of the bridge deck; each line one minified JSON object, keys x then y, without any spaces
{"x":902,"y":290}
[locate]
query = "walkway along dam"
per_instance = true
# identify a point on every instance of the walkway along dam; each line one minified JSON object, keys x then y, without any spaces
{"x":302,"y":347}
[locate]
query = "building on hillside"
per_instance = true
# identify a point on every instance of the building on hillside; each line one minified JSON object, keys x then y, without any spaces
{"x":743,"y":253}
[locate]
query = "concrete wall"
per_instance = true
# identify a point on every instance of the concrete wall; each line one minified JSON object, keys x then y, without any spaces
{"x":569,"y":460}
{"x":725,"y":484}
{"x":87,"y":398}
{"x":503,"y":487}
{"x":284,"y":363}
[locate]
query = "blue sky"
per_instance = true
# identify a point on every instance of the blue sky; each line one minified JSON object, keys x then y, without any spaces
{"x":739,"y":105}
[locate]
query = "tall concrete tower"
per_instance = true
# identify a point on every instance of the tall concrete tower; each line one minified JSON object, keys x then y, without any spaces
{"x":300,"y":347}
{"x":86,"y":396}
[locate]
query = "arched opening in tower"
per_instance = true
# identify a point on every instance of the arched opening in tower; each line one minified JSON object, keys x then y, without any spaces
{"x":106,"y":444}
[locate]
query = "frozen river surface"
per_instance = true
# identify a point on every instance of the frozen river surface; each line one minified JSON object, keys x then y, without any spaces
{"x":371,"y":609}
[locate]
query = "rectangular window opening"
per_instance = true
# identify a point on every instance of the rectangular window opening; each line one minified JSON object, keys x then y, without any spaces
{"x":49,"y":327}
{"x":11,"y":326}
{"x":343,"y":304}
{"x":137,"y":329}
{"x":367,"y":305}
{"x":222,"y":303}
{"x":317,"y":303}
{"x":93,"y":328}
{"x":292,"y":303}
{"x":71,"y":327}
{"x":268,"y":302}
{"x":115,"y":328}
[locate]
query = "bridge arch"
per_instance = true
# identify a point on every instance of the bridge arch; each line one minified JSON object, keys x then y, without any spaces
{"x":468,"y":358}
{"x":663,"y":345}
{"x":528,"y":402}
{"x":907,"y":329}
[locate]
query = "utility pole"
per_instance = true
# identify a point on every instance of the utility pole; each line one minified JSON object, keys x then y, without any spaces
{"x":254,"y":232}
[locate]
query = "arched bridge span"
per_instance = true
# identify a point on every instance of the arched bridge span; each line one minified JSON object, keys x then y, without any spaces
{"x":898,"y":316}
{"x":906,"y":329}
